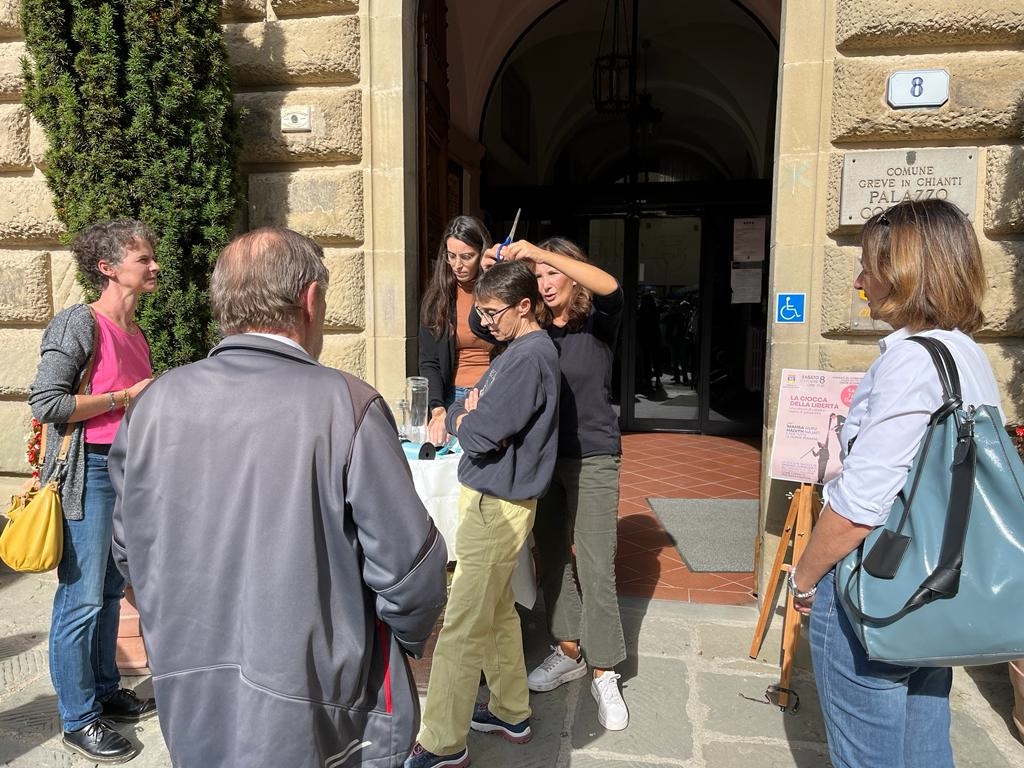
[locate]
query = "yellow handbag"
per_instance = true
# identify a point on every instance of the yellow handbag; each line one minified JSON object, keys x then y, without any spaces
{"x":33,"y":539}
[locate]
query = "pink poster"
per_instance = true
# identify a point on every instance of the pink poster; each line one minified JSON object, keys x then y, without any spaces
{"x":812,"y":409}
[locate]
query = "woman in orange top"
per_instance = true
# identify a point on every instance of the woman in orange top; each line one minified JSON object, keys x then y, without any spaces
{"x":452,"y":357}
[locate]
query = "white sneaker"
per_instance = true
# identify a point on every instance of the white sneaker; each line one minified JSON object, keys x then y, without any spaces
{"x":611,"y":709}
{"x":555,"y":670}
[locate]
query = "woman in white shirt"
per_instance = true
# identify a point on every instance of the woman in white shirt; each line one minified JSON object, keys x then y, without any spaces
{"x":922,"y":272}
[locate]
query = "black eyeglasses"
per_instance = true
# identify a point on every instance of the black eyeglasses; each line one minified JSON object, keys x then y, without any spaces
{"x":883,"y":220}
{"x":490,"y":316}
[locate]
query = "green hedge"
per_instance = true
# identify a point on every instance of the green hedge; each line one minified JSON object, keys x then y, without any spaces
{"x":135,"y":98}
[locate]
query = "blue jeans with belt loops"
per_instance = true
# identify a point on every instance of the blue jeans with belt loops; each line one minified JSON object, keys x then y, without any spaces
{"x":877,"y":715}
{"x":86,"y":606}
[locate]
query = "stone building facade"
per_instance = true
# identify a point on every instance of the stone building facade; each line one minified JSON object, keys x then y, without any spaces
{"x":350,"y":181}
{"x":345,"y":182}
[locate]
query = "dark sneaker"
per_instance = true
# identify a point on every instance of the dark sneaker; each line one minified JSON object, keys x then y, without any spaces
{"x":421,"y":758}
{"x":485,"y":722}
{"x":126,"y":707}
{"x":100,"y":743}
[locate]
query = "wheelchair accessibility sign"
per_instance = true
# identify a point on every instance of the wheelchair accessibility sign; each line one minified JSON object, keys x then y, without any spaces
{"x":789,"y":307}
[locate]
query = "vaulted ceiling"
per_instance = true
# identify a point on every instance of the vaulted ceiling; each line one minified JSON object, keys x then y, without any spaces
{"x":710,"y":68}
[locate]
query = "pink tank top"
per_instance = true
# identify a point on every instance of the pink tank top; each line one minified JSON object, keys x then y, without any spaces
{"x":122,"y":359}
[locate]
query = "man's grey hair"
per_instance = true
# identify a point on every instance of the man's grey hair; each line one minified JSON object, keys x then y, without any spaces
{"x":107,"y":241}
{"x":258,"y":281}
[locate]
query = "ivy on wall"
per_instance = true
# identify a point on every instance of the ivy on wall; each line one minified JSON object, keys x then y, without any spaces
{"x":135,"y":98}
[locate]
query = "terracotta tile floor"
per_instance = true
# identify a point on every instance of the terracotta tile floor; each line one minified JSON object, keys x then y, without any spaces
{"x":672,"y":466}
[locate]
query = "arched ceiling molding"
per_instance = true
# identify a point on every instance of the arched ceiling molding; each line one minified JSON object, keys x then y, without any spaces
{"x":482,"y":33}
{"x":701,"y":151}
{"x":579,"y":112}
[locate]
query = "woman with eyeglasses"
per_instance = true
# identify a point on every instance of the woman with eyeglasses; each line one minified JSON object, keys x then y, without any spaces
{"x":507,"y":428}
{"x":581,"y":313}
{"x":452,"y":358}
{"x":923,"y":274}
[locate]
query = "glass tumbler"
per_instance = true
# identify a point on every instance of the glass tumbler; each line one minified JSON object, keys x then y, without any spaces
{"x":416,"y":395}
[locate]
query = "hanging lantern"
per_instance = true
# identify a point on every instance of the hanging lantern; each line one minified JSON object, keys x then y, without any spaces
{"x":611,"y":66}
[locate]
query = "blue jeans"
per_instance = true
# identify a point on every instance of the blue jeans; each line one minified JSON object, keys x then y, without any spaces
{"x":460,"y":394}
{"x":877,"y":715}
{"x":87,"y":606}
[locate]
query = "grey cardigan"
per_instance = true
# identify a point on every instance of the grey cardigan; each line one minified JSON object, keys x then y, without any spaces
{"x":67,"y":344}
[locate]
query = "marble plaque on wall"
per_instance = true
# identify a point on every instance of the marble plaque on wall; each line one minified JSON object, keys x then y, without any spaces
{"x":875,"y":179}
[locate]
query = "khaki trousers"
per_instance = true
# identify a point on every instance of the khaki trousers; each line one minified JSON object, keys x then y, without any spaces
{"x":481,"y":627}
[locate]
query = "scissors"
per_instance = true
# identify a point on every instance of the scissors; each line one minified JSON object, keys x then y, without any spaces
{"x":511,"y":234}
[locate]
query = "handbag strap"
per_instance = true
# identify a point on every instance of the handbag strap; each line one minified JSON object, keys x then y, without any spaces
{"x":65,"y":444}
{"x":944,"y":580}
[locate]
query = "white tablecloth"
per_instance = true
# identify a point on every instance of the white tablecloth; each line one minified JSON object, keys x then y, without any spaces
{"x":437,"y":483}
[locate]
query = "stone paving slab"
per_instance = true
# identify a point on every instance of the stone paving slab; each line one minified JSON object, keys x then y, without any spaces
{"x":696,"y":699}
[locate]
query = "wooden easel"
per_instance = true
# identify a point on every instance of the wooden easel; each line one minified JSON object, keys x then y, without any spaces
{"x":803,"y":511}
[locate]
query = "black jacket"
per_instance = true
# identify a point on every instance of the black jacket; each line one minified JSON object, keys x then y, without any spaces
{"x":437,"y":364}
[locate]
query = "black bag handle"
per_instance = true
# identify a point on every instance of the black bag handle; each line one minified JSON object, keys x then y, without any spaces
{"x":944,"y":580}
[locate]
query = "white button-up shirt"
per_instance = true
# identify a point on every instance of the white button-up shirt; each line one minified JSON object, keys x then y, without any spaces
{"x":888,"y":416}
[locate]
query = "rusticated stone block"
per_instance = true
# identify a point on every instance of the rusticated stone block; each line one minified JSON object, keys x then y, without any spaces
{"x":1003,"y":304}
{"x":848,"y":355}
{"x":14,"y":138}
{"x":326,"y":205}
{"x":1007,"y":360}
{"x":336,"y":119}
{"x":877,"y":24}
{"x":64,"y":285}
{"x":15,"y":418}
{"x":1004,"y":190}
{"x":346,"y":353}
{"x":346,"y":296}
{"x":10,"y":25}
{"x":310,"y":51}
{"x":243,"y":10}
{"x":985,"y":98}
{"x":1004,"y":299}
{"x":21,"y":358}
{"x":24,"y":288}
{"x":26,"y":210}
{"x":308,"y":7}
{"x":836,"y":287}
{"x":11,"y":82}
{"x":37,"y":143}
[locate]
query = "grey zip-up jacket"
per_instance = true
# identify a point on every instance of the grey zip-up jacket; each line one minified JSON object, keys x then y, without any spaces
{"x":67,"y":344}
{"x":281,"y":561}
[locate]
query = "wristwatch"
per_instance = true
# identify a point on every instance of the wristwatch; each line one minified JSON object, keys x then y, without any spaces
{"x":790,"y":581}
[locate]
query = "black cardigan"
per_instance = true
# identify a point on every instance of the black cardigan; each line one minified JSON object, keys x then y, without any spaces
{"x":437,"y":364}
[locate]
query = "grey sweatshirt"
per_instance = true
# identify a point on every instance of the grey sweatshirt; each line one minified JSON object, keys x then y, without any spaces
{"x":510,"y":441}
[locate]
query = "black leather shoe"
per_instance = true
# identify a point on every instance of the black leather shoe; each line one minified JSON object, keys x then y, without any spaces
{"x":126,"y":707}
{"x":100,"y":743}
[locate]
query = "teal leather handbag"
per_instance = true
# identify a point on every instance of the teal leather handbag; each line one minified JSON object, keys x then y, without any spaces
{"x":942,"y":582}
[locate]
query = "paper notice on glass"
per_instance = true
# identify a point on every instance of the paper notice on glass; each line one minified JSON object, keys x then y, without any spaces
{"x":748,"y":239}
{"x":746,"y":283}
{"x":808,"y":425}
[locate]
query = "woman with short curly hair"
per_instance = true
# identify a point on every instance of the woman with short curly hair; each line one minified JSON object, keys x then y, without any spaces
{"x":117,"y":257}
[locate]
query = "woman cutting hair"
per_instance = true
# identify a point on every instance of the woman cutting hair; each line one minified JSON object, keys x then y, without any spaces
{"x":922,"y":273}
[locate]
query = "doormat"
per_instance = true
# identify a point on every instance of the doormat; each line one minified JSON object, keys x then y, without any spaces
{"x":711,"y":534}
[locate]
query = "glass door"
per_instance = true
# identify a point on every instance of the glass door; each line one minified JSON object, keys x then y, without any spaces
{"x":657,"y":259}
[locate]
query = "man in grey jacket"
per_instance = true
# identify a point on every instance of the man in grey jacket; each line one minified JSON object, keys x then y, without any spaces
{"x":282,"y":562}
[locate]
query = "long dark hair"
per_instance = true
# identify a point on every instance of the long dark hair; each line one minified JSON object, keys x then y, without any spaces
{"x":435,"y":312}
{"x":580,"y":303}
